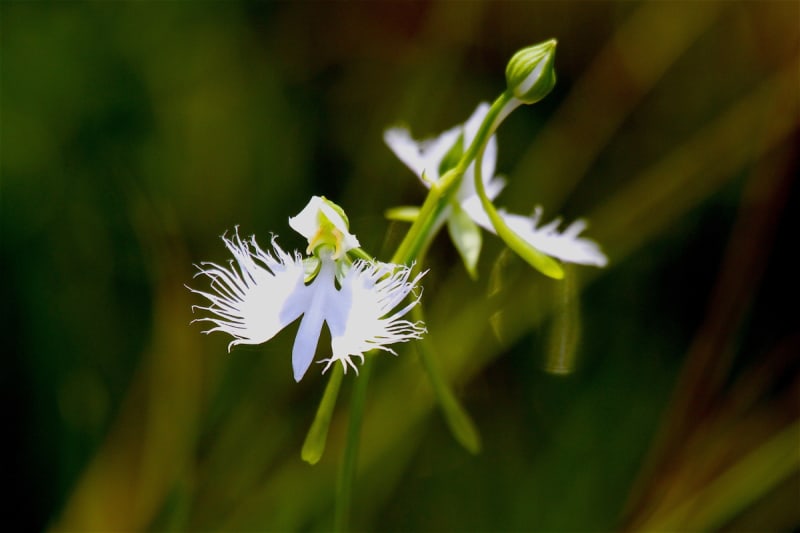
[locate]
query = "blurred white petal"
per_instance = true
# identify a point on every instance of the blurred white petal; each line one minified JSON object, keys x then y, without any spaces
{"x":421,"y":156}
{"x":565,"y":245}
{"x":426,"y":156}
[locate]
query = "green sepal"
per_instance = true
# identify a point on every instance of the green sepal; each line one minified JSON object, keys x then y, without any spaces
{"x":466,"y":236}
{"x":338,"y":209}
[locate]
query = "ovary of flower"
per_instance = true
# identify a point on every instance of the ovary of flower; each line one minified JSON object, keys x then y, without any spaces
{"x":261,"y":293}
{"x":427,"y":156}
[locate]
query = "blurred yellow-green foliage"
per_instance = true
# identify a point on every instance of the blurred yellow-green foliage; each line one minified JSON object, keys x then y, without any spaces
{"x":134,"y":134}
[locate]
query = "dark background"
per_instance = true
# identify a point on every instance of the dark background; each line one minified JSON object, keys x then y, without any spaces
{"x":134,"y":134}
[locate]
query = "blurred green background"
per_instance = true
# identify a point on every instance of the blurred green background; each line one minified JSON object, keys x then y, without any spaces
{"x":134,"y":134}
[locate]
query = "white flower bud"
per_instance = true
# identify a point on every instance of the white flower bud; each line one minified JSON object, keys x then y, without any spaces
{"x":530,"y":74}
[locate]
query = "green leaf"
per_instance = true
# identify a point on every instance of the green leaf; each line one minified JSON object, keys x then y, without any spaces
{"x":565,"y":326}
{"x":314,"y":445}
{"x":458,"y":420}
{"x":466,"y":236}
{"x":460,"y":423}
{"x":406,"y":213}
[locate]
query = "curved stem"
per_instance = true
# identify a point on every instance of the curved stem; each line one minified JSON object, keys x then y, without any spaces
{"x":344,"y":489}
{"x":541,"y":262}
{"x":438,"y":195}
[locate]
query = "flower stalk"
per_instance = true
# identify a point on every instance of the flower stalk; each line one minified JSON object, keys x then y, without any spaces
{"x":440,"y":190}
{"x":347,"y":471}
{"x":534,"y":257}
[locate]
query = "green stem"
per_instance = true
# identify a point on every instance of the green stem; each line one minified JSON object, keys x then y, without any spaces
{"x":541,"y":262}
{"x":414,"y":240}
{"x":440,"y":190}
{"x":410,"y":249}
{"x":344,"y":490}
{"x":497,"y":112}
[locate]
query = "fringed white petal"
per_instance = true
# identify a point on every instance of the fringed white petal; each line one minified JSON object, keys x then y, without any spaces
{"x":565,"y":245}
{"x":363,"y":316}
{"x":255,"y":297}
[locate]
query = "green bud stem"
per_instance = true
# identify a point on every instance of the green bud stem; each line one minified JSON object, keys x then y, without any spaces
{"x":438,"y":196}
{"x":347,"y":471}
{"x":541,"y":262}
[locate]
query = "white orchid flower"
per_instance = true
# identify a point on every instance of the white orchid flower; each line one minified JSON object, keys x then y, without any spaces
{"x":430,"y":159}
{"x":260,"y":293}
{"x":433,"y":157}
